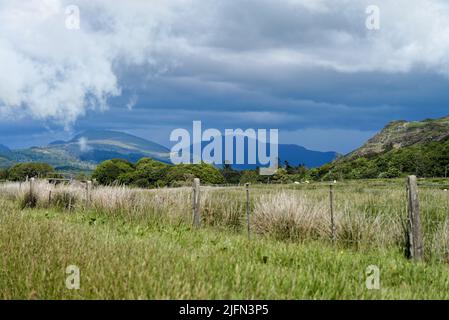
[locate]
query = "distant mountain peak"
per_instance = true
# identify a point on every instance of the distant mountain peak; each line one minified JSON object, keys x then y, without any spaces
{"x":98,"y":135}
{"x":101,"y":134}
{"x":57,"y":142}
{"x":88,"y":148}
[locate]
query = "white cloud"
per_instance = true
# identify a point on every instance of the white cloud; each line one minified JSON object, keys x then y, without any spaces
{"x":50,"y":72}
{"x":83,"y":143}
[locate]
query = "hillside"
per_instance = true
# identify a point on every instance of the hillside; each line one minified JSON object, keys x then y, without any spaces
{"x":418,"y":147}
{"x":96,"y":146}
{"x":84,"y":151}
{"x":400,"y":134}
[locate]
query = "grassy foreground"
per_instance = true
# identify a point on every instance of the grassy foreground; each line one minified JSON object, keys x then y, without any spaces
{"x":121,"y":259}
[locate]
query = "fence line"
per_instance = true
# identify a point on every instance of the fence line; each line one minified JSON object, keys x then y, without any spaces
{"x":415,"y":246}
{"x":416,"y":224}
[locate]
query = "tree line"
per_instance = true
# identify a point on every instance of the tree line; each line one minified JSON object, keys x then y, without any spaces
{"x":22,"y":171}
{"x":423,"y":160}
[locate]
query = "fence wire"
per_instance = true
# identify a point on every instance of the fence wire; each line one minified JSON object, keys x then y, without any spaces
{"x":365,"y":214}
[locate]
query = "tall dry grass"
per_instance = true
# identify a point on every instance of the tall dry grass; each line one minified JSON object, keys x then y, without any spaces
{"x":364,"y":216}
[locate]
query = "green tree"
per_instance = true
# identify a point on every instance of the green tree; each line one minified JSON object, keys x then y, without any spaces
{"x":21,"y":171}
{"x":4,"y":174}
{"x":301,"y":171}
{"x":185,"y":173}
{"x":249,"y":176}
{"x":230,"y":175}
{"x":109,"y":171}
{"x":148,"y":173}
{"x":288,"y":167}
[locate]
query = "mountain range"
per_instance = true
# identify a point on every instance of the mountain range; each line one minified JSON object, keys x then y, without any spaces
{"x":295,"y":155}
{"x":87,"y":149}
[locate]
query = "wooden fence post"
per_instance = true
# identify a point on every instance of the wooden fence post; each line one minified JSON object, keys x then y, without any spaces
{"x":247,"y":210}
{"x":31,"y":187}
{"x":49,"y":197}
{"x":70,"y":203}
{"x":196,"y":202}
{"x":88,"y":188}
{"x":414,"y":221}
{"x":331,"y":202}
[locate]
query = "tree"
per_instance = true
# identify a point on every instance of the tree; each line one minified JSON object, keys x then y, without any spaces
{"x":148,"y":173}
{"x":4,"y":174}
{"x":288,"y":167}
{"x":249,"y":176}
{"x":109,"y":171}
{"x":207,"y":173}
{"x":301,"y":170}
{"x":21,"y":171}
{"x":230,"y":175}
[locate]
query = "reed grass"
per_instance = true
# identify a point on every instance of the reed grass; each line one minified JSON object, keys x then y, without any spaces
{"x":370,"y":215}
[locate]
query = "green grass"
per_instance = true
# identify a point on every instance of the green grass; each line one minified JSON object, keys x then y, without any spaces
{"x":121,"y":258}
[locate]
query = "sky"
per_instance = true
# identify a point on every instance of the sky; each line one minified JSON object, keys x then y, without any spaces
{"x":310,"y":68}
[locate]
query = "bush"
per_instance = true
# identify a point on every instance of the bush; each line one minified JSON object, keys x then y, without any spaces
{"x":391,"y":173}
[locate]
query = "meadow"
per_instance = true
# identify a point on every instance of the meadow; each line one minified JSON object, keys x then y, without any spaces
{"x":140,"y":244}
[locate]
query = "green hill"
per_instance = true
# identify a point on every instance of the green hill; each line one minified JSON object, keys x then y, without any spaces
{"x":401,"y":148}
{"x":400,"y":134}
{"x":96,"y":146}
{"x":86,"y":150}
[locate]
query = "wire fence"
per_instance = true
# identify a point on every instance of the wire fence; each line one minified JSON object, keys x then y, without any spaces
{"x":412,"y":217}
{"x":421,"y":218}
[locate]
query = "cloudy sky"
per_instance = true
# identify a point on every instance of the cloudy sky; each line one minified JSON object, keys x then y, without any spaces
{"x":310,"y":68}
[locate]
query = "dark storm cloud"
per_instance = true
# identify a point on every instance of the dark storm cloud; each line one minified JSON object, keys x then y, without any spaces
{"x":297,"y":65}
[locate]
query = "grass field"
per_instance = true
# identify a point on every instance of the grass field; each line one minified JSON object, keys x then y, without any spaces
{"x":139,"y":243}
